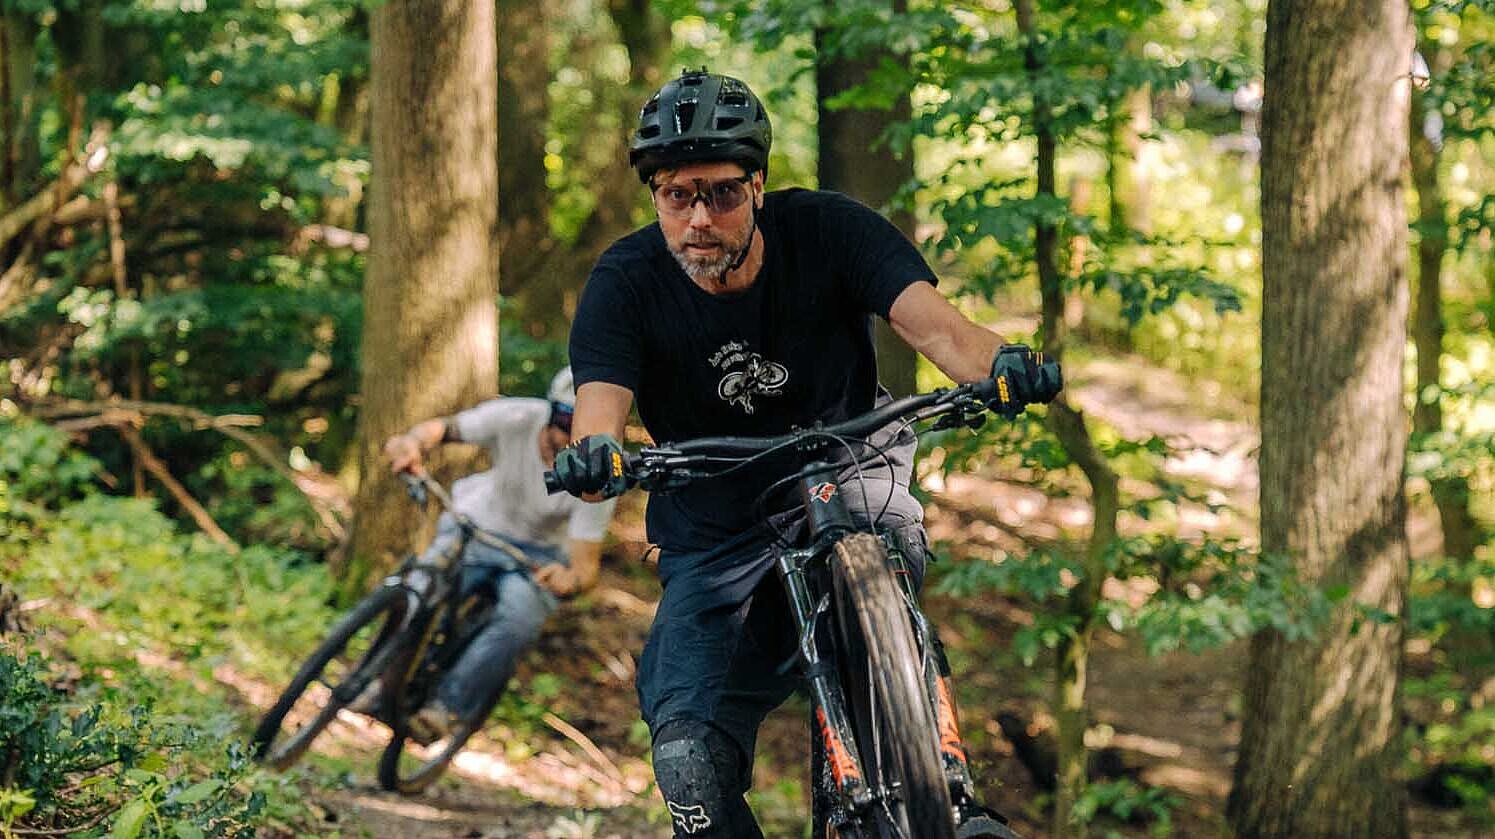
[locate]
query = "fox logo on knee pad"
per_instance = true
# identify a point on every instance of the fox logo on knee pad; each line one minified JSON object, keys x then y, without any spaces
{"x":690,"y":819}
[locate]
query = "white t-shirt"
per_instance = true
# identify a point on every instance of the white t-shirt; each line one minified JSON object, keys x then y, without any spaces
{"x":510,"y":498}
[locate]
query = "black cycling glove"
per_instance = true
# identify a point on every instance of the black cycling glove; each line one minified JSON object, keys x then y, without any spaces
{"x":592,"y":464}
{"x":1023,"y":378}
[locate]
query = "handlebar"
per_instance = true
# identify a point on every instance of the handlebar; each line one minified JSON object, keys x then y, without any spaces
{"x":420,"y":485}
{"x":673,"y":465}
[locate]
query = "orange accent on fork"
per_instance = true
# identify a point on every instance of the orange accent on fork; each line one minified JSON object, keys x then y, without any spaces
{"x":950,"y":742}
{"x":842,"y":766}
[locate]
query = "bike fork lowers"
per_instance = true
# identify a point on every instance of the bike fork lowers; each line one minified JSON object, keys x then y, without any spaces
{"x":953,"y":756}
{"x":828,"y":520}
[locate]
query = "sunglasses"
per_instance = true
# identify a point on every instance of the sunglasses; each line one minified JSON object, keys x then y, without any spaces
{"x":720,"y":196}
{"x":560,"y":416}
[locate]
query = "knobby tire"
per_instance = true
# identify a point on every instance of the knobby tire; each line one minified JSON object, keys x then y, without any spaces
{"x":386,"y":603}
{"x":886,"y":695}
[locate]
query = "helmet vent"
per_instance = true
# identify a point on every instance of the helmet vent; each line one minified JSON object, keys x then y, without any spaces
{"x":685,"y":115}
{"x":723,"y":123}
{"x":651,"y":108}
{"x":732,"y":95}
{"x":649,"y":132}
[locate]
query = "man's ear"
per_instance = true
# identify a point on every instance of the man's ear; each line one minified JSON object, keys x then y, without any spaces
{"x":758,"y":189}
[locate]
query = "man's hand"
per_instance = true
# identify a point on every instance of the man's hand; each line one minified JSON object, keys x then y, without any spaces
{"x":560,"y":580}
{"x":1023,"y":378}
{"x":404,"y":453}
{"x":592,"y":466}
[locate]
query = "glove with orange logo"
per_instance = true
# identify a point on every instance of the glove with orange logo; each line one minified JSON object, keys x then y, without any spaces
{"x":592,"y":464}
{"x":1024,"y":377}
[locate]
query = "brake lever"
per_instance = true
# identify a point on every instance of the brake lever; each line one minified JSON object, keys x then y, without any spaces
{"x":954,"y":419}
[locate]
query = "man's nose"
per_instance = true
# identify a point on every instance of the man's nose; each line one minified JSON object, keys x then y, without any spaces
{"x":700,"y":217}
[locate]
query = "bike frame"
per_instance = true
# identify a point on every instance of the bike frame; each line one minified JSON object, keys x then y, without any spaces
{"x":828,"y":520}
{"x":432,"y":613}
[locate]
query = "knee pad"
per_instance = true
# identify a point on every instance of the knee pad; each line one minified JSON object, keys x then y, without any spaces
{"x":698,"y":769}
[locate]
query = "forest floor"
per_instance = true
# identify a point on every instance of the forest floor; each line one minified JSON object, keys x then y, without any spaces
{"x":569,"y":761}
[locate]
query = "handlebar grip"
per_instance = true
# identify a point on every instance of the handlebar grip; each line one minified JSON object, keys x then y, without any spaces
{"x":1050,"y":381}
{"x":985,"y":389}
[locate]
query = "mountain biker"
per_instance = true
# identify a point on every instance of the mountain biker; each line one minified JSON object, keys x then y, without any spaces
{"x":561,"y":533}
{"x":745,"y":312}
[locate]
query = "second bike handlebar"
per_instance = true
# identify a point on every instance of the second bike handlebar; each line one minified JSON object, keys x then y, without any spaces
{"x":420,"y":485}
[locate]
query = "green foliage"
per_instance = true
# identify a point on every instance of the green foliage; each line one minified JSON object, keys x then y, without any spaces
{"x":1443,"y":602}
{"x":39,"y":467}
{"x":526,"y":363}
{"x":75,"y":761}
{"x":1125,"y":800}
{"x":1192,"y":595}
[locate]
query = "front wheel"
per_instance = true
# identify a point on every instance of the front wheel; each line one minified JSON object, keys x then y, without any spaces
{"x":408,"y":768}
{"x":886,"y":696}
{"x":341,"y":668}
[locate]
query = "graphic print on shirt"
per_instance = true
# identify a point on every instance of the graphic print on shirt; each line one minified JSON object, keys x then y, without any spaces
{"x":746,"y":374}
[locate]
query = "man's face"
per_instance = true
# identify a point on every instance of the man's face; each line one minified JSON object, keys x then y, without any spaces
{"x":704,"y":239}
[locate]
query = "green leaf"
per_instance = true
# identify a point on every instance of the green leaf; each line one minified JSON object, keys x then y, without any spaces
{"x":188,"y":830}
{"x":131,"y":820}
{"x":198,"y":791}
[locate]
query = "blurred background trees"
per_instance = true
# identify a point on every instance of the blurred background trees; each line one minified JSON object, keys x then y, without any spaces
{"x":241,"y":241}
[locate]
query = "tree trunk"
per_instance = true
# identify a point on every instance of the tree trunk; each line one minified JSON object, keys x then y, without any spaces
{"x":430,"y":336}
{"x":523,"y":111}
{"x":1320,"y":735}
{"x":547,"y":294}
{"x":1071,"y":715}
{"x":79,"y":36}
{"x":20,"y":157}
{"x":1461,"y":533}
{"x":849,"y":164}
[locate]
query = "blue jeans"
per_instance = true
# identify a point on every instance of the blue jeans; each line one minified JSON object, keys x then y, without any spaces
{"x":489,"y":660}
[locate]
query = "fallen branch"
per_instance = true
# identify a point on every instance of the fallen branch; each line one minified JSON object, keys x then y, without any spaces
{"x":154,"y":466}
{"x":586,"y":744}
{"x":330,"y":508}
{"x":56,"y":194}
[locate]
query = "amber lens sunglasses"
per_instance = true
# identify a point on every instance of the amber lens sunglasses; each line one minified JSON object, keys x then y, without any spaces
{"x":719,"y":196}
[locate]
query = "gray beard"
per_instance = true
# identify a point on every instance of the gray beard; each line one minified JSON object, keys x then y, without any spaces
{"x":704,"y":268}
{"x":710,"y":268}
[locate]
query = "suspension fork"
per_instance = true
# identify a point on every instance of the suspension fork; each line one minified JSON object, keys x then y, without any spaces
{"x":828,"y":520}
{"x":953,"y":757}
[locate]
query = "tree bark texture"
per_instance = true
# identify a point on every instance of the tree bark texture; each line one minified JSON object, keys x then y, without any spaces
{"x":1319,"y":741}
{"x":20,"y":157}
{"x":1461,"y":533}
{"x":848,"y":163}
{"x":430,"y":335}
{"x":523,"y":112}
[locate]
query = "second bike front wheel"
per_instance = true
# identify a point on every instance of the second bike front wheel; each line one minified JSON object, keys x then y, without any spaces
{"x":886,"y":696}
{"x":341,"y":668}
{"x":408,"y":768}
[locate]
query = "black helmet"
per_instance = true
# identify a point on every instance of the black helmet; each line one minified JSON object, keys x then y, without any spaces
{"x":701,"y":117}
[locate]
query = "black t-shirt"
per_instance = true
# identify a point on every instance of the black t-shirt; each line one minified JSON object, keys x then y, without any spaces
{"x":794,"y":348}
